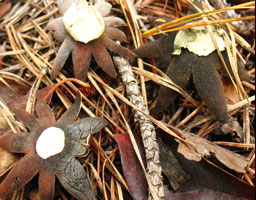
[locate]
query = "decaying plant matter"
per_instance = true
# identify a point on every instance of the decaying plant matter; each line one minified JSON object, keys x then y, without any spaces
{"x":98,"y":48}
{"x":63,"y":164}
{"x":203,"y":69}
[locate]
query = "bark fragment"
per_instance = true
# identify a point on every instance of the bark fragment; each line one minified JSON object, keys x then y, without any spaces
{"x":148,"y":133}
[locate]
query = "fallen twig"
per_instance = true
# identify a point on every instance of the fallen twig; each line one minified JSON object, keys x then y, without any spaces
{"x":148,"y":133}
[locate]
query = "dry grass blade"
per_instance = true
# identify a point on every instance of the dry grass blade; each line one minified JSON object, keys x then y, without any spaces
{"x":97,"y":176}
{"x":33,"y":91}
{"x":14,"y":77}
{"x":99,"y":90}
{"x":112,"y":167}
{"x":16,"y":47}
{"x":156,"y":122}
{"x":104,"y":183}
{"x":42,"y":33}
{"x":38,"y":20}
{"x":169,"y":26}
{"x":238,"y":145}
{"x":241,"y":103}
{"x":137,"y":38}
{"x":8,"y":116}
{"x":234,"y":65}
{"x":249,"y":85}
{"x":17,"y":15}
{"x":224,"y":21}
{"x":166,"y":81}
{"x":119,"y":191}
{"x":231,"y":108}
{"x":189,"y":117}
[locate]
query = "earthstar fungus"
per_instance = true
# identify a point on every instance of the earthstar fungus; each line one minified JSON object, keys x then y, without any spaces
{"x":61,"y":161}
{"x":98,"y":48}
{"x":204,"y":71}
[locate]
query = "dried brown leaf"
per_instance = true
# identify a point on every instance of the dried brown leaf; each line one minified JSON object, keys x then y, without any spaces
{"x":204,"y":148}
{"x":231,"y":92}
{"x":133,"y":172}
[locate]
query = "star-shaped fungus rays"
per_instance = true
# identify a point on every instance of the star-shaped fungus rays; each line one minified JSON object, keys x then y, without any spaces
{"x":50,"y":149}
{"x":83,"y":52}
{"x":203,"y":69}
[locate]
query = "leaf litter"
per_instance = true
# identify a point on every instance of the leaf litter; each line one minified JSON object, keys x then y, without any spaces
{"x":30,"y":51}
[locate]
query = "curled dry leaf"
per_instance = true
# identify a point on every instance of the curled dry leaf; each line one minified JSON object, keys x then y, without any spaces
{"x":132,"y":169}
{"x":50,"y":162}
{"x":98,"y":48}
{"x":204,"y":148}
{"x":231,"y":92}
